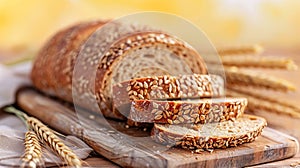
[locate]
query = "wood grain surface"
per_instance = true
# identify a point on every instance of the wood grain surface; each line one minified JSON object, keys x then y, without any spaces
{"x":134,"y":147}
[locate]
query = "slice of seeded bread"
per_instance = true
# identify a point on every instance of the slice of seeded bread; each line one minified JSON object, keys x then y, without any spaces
{"x":166,"y":87}
{"x":187,"y":111}
{"x":209,"y":136}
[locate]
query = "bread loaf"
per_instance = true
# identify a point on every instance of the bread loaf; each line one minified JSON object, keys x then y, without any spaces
{"x":187,"y":111}
{"x":65,"y":66}
{"x":209,"y":136}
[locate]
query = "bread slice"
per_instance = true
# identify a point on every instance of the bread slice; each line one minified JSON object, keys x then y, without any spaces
{"x":65,"y":65}
{"x":166,"y":87}
{"x":187,"y":111}
{"x":209,"y":136}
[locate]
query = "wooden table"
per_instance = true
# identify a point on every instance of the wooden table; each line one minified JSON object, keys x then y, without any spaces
{"x":294,"y":130}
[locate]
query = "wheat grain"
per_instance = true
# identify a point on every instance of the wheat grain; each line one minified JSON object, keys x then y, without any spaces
{"x":52,"y":141}
{"x":259,"y":62}
{"x":295,"y":164}
{"x":33,"y":151}
{"x":240,"y":50}
{"x":256,"y":103}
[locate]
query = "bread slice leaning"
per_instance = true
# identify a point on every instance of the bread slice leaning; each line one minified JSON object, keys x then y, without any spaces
{"x":210,"y":136}
{"x":137,"y":54}
{"x":187,"y":111}
{"x":166,"y":87}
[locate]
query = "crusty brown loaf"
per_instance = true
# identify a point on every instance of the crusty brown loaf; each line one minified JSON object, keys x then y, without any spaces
{"x":209,"y":136}
{"x":51,"y":72}
{"x":53,"y":68}
{"x":187,"y":111}
{"x":167,"y":87}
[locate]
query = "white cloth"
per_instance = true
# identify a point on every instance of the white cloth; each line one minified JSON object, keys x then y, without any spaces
{"x":12,"y":132}
{"x":10,"y":79}
{"x":12,"y":129}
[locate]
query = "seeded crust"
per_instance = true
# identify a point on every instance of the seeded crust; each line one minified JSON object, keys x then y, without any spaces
{"x":39,"y":73}
{"x":167,"y":87}
{"x":210,"y":136}
{"x":187,"y":111}
{"x":53,"y":67}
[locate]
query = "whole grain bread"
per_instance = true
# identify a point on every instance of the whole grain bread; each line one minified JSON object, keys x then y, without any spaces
{"x":52,"y":68}
{"x":187,"y":111}
{"x":209,"y":136}
{"x":65,"y":67}
{"x":166,"y":87}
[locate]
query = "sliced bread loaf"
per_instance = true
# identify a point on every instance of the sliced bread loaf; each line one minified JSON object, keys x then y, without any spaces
{"x":187,"y":111}
{"x":166,"y":87}
{"x":65,"y":66}
{"x":209,"y":136}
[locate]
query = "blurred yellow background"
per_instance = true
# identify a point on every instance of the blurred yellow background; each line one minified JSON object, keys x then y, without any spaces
{"x":275,"y":23}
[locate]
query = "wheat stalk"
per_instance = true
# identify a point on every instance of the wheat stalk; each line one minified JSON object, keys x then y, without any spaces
{"x":33,"y":150}
{"x":259,"y":62}
{"x":237,"y":77}
{"x":47,"y":136}
{"x":256,"y":103}
{"x":234,"y":77}
{"x":240,"y":50}
{"x":54,"y":142}
{"x":258,"y":95}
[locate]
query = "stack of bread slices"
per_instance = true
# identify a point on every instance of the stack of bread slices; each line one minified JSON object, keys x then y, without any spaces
{"x":189,"y":111}
{"x":132,"y":83}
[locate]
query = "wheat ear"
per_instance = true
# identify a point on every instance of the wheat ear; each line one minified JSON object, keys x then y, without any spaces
{"x":260,"y":62}
{"x":46,"y":135}
{"x":256,"y":103}
{"x":234,"y":76}
{"x":50,"y":139}
{"x":33,"y":150}
{"x":240,"y":50}
{"x":258,"y":95}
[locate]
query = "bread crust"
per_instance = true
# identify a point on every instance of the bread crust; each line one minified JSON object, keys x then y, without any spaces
{"x":187,"y":111}
{"x":53,"y":67}
{"x":168,"y":87}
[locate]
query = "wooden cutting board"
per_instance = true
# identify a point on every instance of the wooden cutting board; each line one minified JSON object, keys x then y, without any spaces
{"x":132,"y":147}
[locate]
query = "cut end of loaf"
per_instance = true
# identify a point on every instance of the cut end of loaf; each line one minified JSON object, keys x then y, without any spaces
{"x":119,"y":63}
